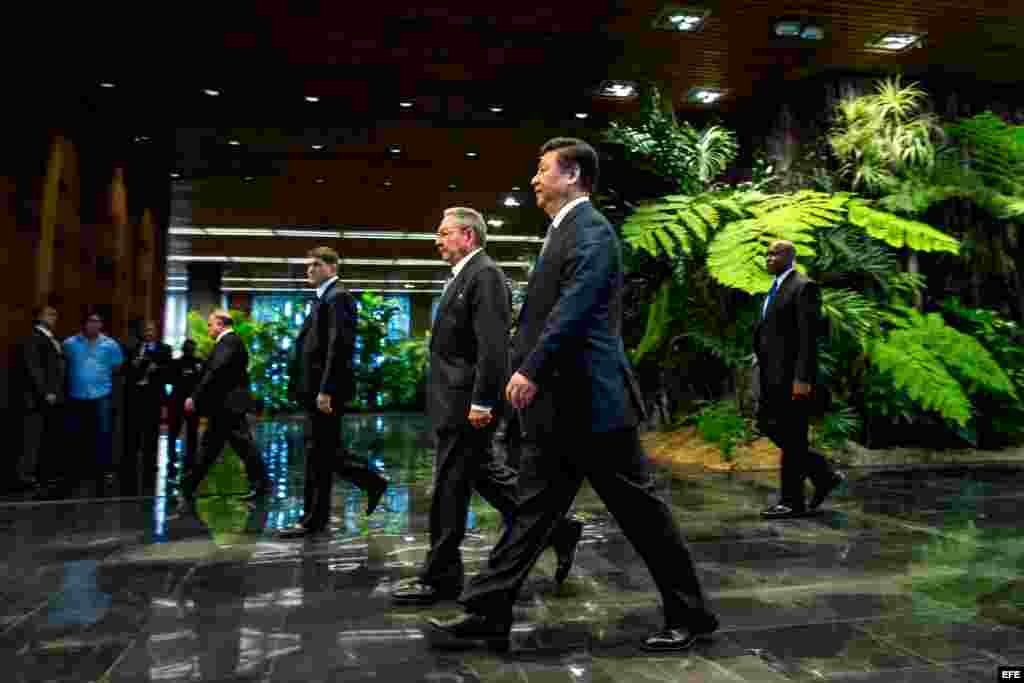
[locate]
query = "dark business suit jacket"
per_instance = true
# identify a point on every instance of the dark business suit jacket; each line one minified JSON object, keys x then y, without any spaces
{"x":156,"y":363}
{"x":224,"y":387}
{"x":42,"y":369}
{"x":786,"y":341}
{"x":322,"y":358}
{"x":573,"y":350}
{"x":469,"y":343}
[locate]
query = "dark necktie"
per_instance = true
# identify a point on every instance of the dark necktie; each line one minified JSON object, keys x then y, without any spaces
{"x":768,"y":299}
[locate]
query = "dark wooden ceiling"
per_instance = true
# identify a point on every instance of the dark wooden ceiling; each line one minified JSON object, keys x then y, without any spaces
{"x":454,"y":61}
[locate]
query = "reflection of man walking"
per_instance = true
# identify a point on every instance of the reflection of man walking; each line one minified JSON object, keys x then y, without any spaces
{"x":321,"y":380}
{"x":580,"y":409}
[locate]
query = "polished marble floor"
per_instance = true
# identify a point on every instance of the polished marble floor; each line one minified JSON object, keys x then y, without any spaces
{"x":910,"y":575}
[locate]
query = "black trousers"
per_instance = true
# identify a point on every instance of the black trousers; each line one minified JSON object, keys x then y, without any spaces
{"x":226,"y":428}
{"x":39,"y":442}
{"x":550,"y":475}
{"x":141,"y":438}
{"x":466,"y":462}
{"x":326,"y":456}
{"x":785,"y":422}
{"x":177,"y":418}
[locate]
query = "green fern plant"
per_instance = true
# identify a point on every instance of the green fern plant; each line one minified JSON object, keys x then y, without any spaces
{"x":924,"y":356}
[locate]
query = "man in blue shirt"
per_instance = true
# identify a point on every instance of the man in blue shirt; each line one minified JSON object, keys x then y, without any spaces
{"x":92,"y":360}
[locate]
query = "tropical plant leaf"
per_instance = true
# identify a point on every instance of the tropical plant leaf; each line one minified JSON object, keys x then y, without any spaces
{"x":900,"y":232}
{"x":853,"y":314}
{"x":736,"y":256}
{"x":658,"y":316}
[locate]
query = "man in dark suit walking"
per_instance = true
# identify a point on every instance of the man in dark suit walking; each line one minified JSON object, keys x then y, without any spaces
{"x":468,"y":369}
{"x":786,"y":349}
{"x":145,"y":395}
{"x":580,"y":408}
{"x":42,"y":372}
{"x":321,"y":380}
{"x":223,"y":396}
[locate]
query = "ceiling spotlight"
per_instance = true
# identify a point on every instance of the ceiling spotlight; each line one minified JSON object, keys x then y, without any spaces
{"x":495,"y":222}
{"x":234,"y":143}
{"x":511,"y":202}
{"x":516,"y":188}
{"x":141,"y":138}
{"x":704,"y":95}
{"x":451,"y":186}
{"x":472,"y":155}
{"x":320,"y":180}
{"x":175,"y":174}
{"x":686,"y":19}
{"x":107,"y":84}
{"x":248,"y":179}
{"x":312,"y":98}
{"x":387,"y":183}
{"x":617,"y":89}
{"x":316,"y":147}
{"x":897,"y":41}
{"x":582,"y":115}
{"x":497,"y":110}
{"x":395,"y":149}
{"x":405,"y":104}
{"x":211,"y":92}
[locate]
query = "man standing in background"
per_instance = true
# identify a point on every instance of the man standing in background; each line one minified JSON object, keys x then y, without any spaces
{"x":41,"y":377}
{"x":145,"y":394}
{"x":184,"y":376}
{"x":92,"y":360}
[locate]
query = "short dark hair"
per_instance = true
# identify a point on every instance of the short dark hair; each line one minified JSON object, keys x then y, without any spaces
{"x":37,"y":311}
{"x":575,"y":152}
{"x":325,"y":254}
{"x":94,"y":314}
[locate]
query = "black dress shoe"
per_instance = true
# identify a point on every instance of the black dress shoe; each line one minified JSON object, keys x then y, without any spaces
{"x":780,"y":511}
{"x":300,"y":531}
{"x":419,"y":593}
{"x":374,"y":495}
{"x":258,"y":491}
{"x":820,"y":494}
{"x":565,"y":547}
{"x":472,"y":630}
{"x":675,"y":639}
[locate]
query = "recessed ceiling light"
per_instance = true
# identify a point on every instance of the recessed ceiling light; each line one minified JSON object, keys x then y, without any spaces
{"x":395,"y":149}
{"x":387,"y":183}
{"x":897,"y":41}
{"x":511,"y":201}
{"x":248,"y":179}
{"x":211,"y":92}
{"x":107,"y":84}
{"x":516,"y":188}
{"x":175,"y":174}
{"x":141,"y":138}
{"x":451,"y":186}
{"x":472,"y":155}
{"x":617,"y":89}
{"x":317,"y":146}
{"x":320,"y":180}
{"x":234,"y":143}
{"x":582,"y":115}
{"x":405,"y":104}
{"x":312,"y":98}
{"x":685,"y":19}
{"x":497,"y":110}
{"x":495,"y":222}
{"x":704,"y":95}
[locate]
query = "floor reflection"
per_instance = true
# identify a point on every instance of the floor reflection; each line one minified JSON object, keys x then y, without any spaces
{"x":909,"y":575}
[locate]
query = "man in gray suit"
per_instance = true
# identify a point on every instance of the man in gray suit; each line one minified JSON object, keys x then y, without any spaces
{"x":468,"y":368}
{"x":786,"y":347}
{"x":42,"y":370}
{"x":579,"y":408}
